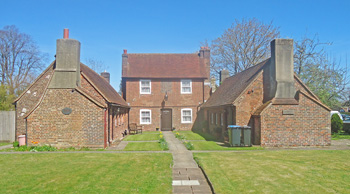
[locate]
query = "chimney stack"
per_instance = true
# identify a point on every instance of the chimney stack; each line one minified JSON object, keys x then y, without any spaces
{"x":204,"y":58}
{"x":279,"y":74}
{"x":223,"y":75}
{"x":67,"y":67}
{"x":125,"y":63}
{"x":106,"y":76}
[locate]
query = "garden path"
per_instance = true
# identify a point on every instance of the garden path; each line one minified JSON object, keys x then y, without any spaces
{"x":187,"y":176}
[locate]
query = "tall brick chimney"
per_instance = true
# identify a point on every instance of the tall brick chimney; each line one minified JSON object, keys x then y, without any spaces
{"x":279,"y":74}
{"x":106,"y":76}
{"x":67,"y":69}
{"x":223,"y":75}
{"x":204,"y":57}
{"x":124,"y":62}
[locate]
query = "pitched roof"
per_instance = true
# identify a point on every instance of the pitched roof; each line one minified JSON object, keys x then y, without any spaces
{"x":100,"y":84}
{"x":233,"y":86}
{"x":164,"y":66}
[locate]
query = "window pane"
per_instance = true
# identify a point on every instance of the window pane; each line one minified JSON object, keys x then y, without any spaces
{"x":186,"y":89}
{"x":145,"y":89}
{"x":145,"y":83}
{"x":146,"y":120}
{"x":186,"y":113}
{"x":145,"y":114}
{"x":187,"y":118}
{"x":186,"y":83}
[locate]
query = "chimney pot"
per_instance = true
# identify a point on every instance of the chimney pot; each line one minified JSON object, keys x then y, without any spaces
{"x":125,"y":51}
{"x":66,"y":33}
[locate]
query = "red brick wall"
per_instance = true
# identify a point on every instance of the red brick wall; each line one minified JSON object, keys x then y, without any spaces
{"x":247,"y":103}
{"x":29,"y":99}
{"x":309,"y":126}
{"x":154,"y":101}
{"x":84,"y":127}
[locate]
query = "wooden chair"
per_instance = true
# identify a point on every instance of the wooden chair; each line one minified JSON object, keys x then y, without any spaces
{"x":135,"y":129}
{"x":132,"y":128}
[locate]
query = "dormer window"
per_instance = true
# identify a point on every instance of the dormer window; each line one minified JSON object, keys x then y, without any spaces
{"x":145,"y":86}
{"x":186,"y":86}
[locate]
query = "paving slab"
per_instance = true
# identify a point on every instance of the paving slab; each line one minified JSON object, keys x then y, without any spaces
{"x":187,"y":176}
{"x":6,"y":146}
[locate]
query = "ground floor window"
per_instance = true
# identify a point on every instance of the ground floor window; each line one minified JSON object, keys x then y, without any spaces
{"x":145,"y":116}
{"x":186,"y":115}
{"x":222,"y":119}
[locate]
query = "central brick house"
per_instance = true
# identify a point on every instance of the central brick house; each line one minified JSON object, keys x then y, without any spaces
{"x":270,"y":98}
{"x":165,"y":90}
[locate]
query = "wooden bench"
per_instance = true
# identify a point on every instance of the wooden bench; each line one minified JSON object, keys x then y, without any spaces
{"x":134,"y":128}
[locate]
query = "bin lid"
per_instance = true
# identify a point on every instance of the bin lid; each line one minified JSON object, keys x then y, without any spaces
{"x":246,"y":127}
{"x":22,"y":136}
{"x":234,"y":126}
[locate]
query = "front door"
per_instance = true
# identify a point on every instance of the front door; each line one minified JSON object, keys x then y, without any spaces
{"x":166,"y":119}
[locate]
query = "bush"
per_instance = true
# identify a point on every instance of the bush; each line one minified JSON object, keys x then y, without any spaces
{"x":15,"y":144}
{"x":163,"y":144}
{"x":189,"y":145}
{"x":346,"y":128}
{"x":336,"y":124}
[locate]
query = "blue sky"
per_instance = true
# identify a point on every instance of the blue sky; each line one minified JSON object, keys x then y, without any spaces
{"x":105,"y":28}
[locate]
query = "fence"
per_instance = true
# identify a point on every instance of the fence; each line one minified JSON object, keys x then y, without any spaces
{"x":7,"y":126}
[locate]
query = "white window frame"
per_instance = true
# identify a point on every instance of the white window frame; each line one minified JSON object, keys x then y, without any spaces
{"x":222,"y":119}
{"x":182,"y":116}
{"x":150,"y":115}
{"x":190,"y":92}
{"x":150,"y":86}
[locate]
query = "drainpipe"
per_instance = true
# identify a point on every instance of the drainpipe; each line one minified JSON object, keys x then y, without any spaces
{"x":105,"y":128}
{"x":26,"y":132}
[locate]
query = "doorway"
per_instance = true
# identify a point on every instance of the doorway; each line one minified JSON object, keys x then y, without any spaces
{"x":166,"y":119}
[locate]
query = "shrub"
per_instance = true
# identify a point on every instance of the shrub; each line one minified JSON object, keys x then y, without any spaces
{"x":346,"y":128}
{"x":15,"y":144}
{"x":336,"y":124}
{"x":189,"y":145}
{"x":163,"y":144}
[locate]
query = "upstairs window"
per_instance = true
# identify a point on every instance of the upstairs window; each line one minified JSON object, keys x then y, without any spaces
{"x":186,"y":86}
{"x":145,"y":86}
{"x":186,"y":115}
{"x":145,"y":116}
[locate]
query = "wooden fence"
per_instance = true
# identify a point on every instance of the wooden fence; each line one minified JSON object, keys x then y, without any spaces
{"x":7,"y":126}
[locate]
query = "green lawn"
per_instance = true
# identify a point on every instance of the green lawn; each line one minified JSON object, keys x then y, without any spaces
{"x":189,"y":135}
{"x":143,"y":146}
{"x":337,"y":137}
{"x":310,"y":171}
{"x":85,"y":173}
{"x":4,"y":143}
{"x":210,"y":145}
{"x":150,"y":136}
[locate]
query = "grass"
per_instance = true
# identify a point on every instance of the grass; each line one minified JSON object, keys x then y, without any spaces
{"x":338,"y":136}
{"x":4,"y":143}
{"x":189,"y":135}
{"x":145,"y":136}
{"x":309,"y":171}
{"x":85,"y":173}
{"x":210,"y":145}
{"x":143,"y":146}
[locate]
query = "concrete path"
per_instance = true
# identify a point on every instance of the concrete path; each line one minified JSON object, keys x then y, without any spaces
{"x":187,"y":176}
{"x":5,"y":146}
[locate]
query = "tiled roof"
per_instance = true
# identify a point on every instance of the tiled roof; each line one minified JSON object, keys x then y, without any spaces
{"x":164,"y":66}
{"x":106,"y":90}
{"x":233,"y":86}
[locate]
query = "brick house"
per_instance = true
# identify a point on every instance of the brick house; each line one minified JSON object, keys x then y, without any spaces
{"x":270,"y":98}
{"x":70,"y":105}
{"x":165,"y":90}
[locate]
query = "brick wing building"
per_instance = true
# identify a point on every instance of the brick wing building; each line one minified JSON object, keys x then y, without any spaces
{"x":71,"y":105}
{"x":165,"y":90}
{"x":271,"y":99}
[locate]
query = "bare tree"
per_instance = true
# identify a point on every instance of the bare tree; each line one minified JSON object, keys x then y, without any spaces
{"x":323,"y":75}
{"x":96,"y":65}
{"x":20,"y":59}
{"x":243,"y":45}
